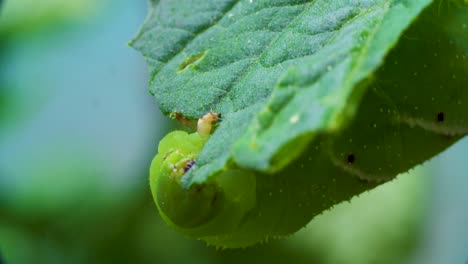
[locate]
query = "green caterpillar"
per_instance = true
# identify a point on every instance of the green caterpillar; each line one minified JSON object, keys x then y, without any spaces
{"x":198,"y":210}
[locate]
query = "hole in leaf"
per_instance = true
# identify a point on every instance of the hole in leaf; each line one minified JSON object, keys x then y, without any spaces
{"x":440,"y":117}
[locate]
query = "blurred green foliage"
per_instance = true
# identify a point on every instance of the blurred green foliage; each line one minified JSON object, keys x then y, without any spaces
{"x":25,"y":16}
{"x":24,"y":22}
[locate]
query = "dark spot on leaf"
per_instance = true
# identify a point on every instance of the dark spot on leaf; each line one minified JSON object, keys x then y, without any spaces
{"x":440,"y":117}
{"x":198,"y":188}
{"x":215,"y":197}
{"x":351,"y":158}
{"x":191,"y":61}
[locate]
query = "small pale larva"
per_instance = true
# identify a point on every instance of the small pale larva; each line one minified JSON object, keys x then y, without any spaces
{"x":205,"y":124}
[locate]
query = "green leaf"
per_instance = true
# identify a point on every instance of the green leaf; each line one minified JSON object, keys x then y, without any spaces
{"x":340,"y":95}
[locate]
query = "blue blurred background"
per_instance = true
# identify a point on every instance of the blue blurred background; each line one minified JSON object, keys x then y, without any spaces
{"x":78,"y":130}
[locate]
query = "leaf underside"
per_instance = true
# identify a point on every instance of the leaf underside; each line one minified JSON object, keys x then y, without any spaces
{"x":370,"y":88}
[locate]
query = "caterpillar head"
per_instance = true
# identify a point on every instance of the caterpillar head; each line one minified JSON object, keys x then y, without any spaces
{"x":213,"y":207}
